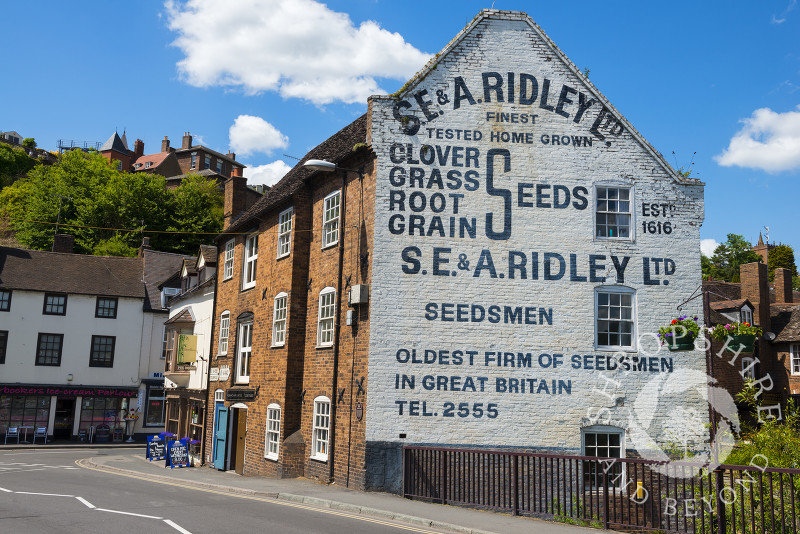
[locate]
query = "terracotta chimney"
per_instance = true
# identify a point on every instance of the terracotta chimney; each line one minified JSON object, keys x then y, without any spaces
{"x":144,"y":246}
{"x":783,"y":286}
{"x":755,"y":288}
{"x":236,"y":171}
{"x":138,"y":149}
{"x":63,"y":243}
{"x":231,"y":155}
{"x":235,"y":198}
{"x":187,"y":141}
{"x":165,"y":144}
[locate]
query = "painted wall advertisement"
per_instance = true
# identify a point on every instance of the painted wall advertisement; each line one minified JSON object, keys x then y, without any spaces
{"x":531,"y":244}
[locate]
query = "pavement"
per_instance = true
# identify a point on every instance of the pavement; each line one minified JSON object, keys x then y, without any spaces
{"x":113,"y":459}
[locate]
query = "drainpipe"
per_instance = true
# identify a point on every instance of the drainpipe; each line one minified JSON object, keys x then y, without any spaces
{"x":208,"y":371}
{"x":336,"y":328}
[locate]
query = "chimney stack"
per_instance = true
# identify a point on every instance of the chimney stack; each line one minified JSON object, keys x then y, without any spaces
{"x":165,"y":144}
{"x":232,"y":155}
{"x":783,"y":286}
{"x":63,"y":243}
{"x":138,"y":149}
{"x":187,"y":141}
{"x":235,"y":198}
{"x":755,"y":288}
{"x":144,"y":246}
{"x":236,"y":171}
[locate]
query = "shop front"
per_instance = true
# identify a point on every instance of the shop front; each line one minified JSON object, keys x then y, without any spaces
{"x":80,"y":413}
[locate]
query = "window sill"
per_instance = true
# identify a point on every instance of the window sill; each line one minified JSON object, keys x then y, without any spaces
{"x":273,"y":457}
{"x":228,"y":279}
{"x":248,"y":288}
{"x":329,"y":245}
{"x":241,"y":382}
{"x":615,"y":349}
{"x":320,"y":458}
{"x":278,"y":346}
{"x":329,"y":346}
{"x":284,"y":256}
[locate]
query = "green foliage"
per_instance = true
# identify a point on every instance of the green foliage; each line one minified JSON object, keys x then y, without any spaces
{"x":724,"y":264}
{"x":14,"y":164}
{"x":781,"y":256}
{"x":680,"y":326}
{"x":96,"y":201}
{"x":721,"y":332}
{"x":29,"y":142}
{"x":796,"y":283}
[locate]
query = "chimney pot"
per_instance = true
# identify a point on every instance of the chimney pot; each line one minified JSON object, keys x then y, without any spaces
{"x":63,"y":243}
{"x":165,"y":144}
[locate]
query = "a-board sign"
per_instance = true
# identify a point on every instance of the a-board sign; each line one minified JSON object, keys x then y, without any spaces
{"x":177,"y":454}
{"x":239,"y":394}
{"x":156,"y":448}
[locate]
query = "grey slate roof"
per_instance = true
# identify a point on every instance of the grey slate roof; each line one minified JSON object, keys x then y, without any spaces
{"x":333,"y":149}
{"x":209,"y":254}
{"x":114,"y":143}
{"x":158,"y":267}
{"x":785,"y":322}
{"x":35,"y":270}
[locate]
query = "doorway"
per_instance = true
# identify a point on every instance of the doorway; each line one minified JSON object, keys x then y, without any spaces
{"x":238,"y":435}
{"x":65,"y":418}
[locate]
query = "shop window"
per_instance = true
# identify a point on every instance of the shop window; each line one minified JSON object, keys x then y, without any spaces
{"x":602,"y":442}
{"x":5,"y":300}
{"x":102,"y":351}
{"x":96,"y":411}
{"x":154,"y":406}
{"x":224,"y":326}
{"x":330,"y":220}
{"x":106,"y":307}
{"x":279,"y":320}
{"x":24,"y":410}
{"x":327,"y":310}
{"x":271,"y":447}
{"x":3,"y":345}
{"x":284,"y":233}
{"x":322,"y":421}
{"x":228,"y":269}
{"x":244,"y":342}
{"x":614,"y":318}
{"x":48,"y":349}
{"x":55,"y":304}
{"x":613,"y":212}
{"x":250,"y":258}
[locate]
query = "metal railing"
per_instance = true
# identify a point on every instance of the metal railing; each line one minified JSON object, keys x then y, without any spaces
{"x":625,"y":494}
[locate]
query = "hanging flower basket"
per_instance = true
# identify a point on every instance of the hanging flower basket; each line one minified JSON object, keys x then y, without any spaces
{"x":680,"y":334}
{"x":742,"y":336}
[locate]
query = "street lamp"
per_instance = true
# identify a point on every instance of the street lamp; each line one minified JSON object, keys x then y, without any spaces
{"x":322,"y":165}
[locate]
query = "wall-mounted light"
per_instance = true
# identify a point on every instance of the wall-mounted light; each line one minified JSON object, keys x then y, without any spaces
{"x":70,"y":377}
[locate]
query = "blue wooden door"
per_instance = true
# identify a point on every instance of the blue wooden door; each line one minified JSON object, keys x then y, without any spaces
{"x":220,"y":436}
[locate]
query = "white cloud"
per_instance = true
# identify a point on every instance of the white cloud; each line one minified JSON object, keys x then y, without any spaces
{"x":299,"y":48}
{"x":707,"y":246}
{"x":251,"y":134}
{"x":268,"y":174}
{"x":769,"y":141}
{"x":780,"y":19}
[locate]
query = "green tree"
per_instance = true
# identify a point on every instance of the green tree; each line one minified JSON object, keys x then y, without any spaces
{"x":728,"y":256}
{"x":781,"y":256}
{"x":14,"y":164}
{"x":29,"y":142}
{"x":196,"y":206}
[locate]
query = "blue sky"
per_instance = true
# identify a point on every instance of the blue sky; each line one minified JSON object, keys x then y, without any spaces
{"x":272,"y":77}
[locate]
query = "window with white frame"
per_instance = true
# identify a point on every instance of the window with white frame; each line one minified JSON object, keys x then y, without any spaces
{"x":613,"y":212}
{"x":748,"y":369}
{"x":279,"y":320}
{"x":327,"y":309}
{"x":250,"y":257}
{"x":602,"y":442}
{"x":330,"y":220}
{"x":164,"y":342}
{"x":224,"y":325}
{"x":285,"y":233}
{"x":228,"y":268}
{"x":244,"y":343}
{"x":794,"y":351}
{"x":322,"y":423}
{"x":614,"y":318}
{"x":272,"y":440}
{"x":746,"y":315}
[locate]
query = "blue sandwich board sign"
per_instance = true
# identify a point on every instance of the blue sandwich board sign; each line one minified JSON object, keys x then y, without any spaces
{"x":156,"y":448}
{"x":177,"y":454}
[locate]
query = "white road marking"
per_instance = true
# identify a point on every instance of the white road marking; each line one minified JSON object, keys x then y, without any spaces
{"x":45,"y":494}
{"x":177,"y":527}
{"x":87,"y":503}
{"x":127,"y":513}
{"x":6,"y":490}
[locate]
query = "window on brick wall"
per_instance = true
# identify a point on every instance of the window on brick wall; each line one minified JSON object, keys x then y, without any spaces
{"x":746,"y":315}
{"x":748,"y":369}
{"x":285,"y":233}
{"x":272,"y":440}
{"x":250,"y":257}
{"x":279,"y":320}
{"x":794,"y":351}
{"x":224,"y":326}
{"x":330,"y":220}
{"x":320,"y":435}
{"x":193,"y":164}
{"x":219,"y":166}
{"x":615,"y":318}
{"x":602,"y":442}
{"x":207,"y":162}
{"x":228,"y":266}
{"x":244,"y":350}
{"x":327,"y":310}
{"x":613,"y":212}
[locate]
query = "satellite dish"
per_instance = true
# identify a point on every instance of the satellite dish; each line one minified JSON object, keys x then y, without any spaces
{"x":770,"y":336}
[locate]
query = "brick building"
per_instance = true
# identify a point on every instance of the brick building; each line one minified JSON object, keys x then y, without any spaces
{"x":490,"y":259}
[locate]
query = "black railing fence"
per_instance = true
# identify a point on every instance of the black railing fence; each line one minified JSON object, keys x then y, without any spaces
{"x":626,"y":494}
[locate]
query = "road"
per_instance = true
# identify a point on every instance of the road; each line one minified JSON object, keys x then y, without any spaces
{"x":45,"y":492}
